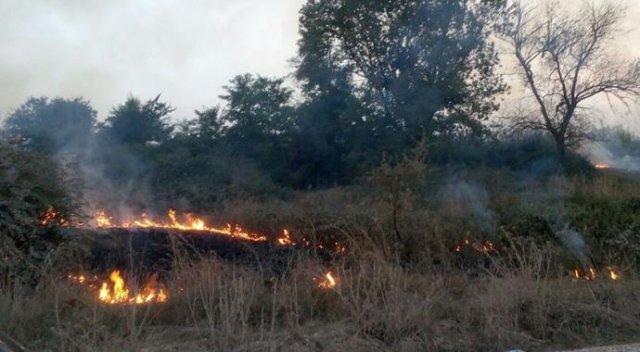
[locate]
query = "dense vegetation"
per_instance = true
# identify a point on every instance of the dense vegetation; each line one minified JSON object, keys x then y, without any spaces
{"x":383,"y":141}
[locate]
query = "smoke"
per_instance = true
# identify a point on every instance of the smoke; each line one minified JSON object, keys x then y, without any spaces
{"x":574,"y":241}
{"x":473,"y":199}
{"x":615,"y":148}
{"x":110,"y":178}
{"x":612,"y":155}
{"x":103,"y":50}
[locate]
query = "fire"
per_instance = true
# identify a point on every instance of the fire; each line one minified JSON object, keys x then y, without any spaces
{"x":285,"y":239}
{"x":591,"y":274}
{"x":483,"y":247}
{"x":52,"y":217}
{"x":340,"y":248}
{"x":103,"y":220}
{"x":327,"y":281}
{"x":81,"y":279}
{"x":117,"y":291}
{"x":601,"y":166}
{"x":188,"y":223}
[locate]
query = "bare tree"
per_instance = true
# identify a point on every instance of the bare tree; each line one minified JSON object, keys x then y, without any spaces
{"x":565,"y":60}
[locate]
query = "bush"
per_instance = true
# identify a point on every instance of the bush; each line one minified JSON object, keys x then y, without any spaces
{"x":32,"y":187}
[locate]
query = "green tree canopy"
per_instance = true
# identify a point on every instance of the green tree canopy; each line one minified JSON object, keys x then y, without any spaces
{"x":51,"y":126}
{"x":136,"y":123}
{"x":415,"y":62}
{"x":258,"y":116}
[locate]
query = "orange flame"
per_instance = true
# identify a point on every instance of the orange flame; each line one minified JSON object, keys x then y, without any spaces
{"x":189,"y":223}
{"x":591,"y":274}
{"x":285,"y":239}
{"x":601,"y":166}
{"x":118,"y":293}
{"x":327,"y":281}
{"x":81,"y":279}
{"x":484,"y":247}
{"x":103,"y":220}
{"x":52,"y":217}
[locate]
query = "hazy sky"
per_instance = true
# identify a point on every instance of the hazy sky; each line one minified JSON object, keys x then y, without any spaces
{"x":106,"y":50}
{"x":186,"y":50}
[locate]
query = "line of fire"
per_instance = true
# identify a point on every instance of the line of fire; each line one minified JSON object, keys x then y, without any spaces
{"x":151,"y":241}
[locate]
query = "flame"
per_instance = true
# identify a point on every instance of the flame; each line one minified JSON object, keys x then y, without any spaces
{"x":102,"y":219}
{"x":117,"y":291}
{"x":327,"y":281}
{"x":340,"y":248}
{"x":613,"y":274}
{"x":285,"y":239}
{"x":601,"y":166}
{"x":188,"y":223}
{"x":484,"y":247}
{"x":81,"y":279}
{"x":52,"y":217}
{"x":591,"y":274}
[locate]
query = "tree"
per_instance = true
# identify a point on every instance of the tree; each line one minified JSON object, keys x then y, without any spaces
{"x":416,"y":63}
{"x":135,"y":123}
{"x":208,"y":124}
{"x":324,"y":136}
{"x":32,"y":185}
{"x":565,"y":61}
{"x":258,"y":118}
{"x":52,"y":126}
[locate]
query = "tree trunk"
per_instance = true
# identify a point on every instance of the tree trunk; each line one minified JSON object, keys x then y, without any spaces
{"x":562,"y":149}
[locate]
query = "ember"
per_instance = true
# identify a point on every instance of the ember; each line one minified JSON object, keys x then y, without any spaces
{"x":591,"y":274}
{"x":484,"y":247}
{"x":285,"y":239}
{"x":613,"y":274}
{"x":52,"y":217}
{"x":327,"y":281}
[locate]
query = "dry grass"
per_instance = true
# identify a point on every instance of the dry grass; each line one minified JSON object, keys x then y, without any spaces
{"x":412,"y":295}
{"x":377,"y":305}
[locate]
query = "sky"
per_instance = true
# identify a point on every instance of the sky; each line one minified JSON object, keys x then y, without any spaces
{"x":105,"y":51}
{"x":187,"y":51}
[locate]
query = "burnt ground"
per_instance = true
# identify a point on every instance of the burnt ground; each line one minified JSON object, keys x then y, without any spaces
{"x":156,"y":250}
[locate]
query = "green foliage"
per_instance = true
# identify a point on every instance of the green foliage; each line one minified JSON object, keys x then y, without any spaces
{"x":30,"y":185}
{"x":56,"y":125}
{"x":257,"y":121}
{"x":135,"y":123}
{"x":197,"y":174}
{"x":611,"y":224}
{"x":329,"y":141}
{"x":209,"y":125}
{"x":418,"y":61}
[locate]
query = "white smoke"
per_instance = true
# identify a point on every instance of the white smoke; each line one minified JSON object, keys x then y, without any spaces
{"x":474,"y":199}
{"x":615,"y":148}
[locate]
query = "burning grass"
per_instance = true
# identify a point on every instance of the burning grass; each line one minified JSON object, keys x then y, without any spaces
{"x":374,"y":305}
{"x":416,"y":277}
